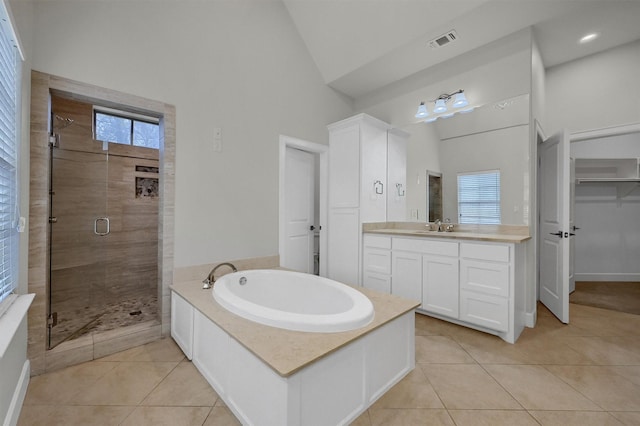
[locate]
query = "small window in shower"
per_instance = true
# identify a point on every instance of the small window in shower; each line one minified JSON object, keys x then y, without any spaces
{"x":126,"y":128}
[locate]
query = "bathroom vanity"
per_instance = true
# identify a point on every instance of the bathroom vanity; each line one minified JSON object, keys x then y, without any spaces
{"x":468,"y":277}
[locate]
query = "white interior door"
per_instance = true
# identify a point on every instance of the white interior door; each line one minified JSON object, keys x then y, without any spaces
{"x":554,"y":180}
{"x":572,"y":226}
{"x":299,"y":210}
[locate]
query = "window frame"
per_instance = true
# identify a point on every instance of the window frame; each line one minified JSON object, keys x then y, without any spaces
{"x":11,"y":160}
{"x":495,"y":202}
{"x":140,"y":118}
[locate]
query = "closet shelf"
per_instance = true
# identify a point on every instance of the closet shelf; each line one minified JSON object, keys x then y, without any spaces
{"x":606,"y":180}
{"x":624,"y":173}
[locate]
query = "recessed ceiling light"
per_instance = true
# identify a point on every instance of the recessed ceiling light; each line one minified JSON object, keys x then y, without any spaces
{"x":589,"y":37}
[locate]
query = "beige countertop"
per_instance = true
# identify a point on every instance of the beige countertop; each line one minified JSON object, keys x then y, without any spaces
{"x":287,"y":351}
{"x":493,"y":233}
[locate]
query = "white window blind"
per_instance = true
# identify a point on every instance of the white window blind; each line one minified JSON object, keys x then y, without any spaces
{"x":479,"y":197}
{"x":9,"y":216}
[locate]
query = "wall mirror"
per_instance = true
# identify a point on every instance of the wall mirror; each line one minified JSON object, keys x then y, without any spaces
{"x":433,"y":186}
{"x":493,"y":137}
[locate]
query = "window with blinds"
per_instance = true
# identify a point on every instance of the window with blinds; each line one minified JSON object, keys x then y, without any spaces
{"x":479,"y":197}
{"x":9,"y":216}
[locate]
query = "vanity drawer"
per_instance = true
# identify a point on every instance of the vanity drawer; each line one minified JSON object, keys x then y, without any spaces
{"x":377,"y":241}
{"x":377,"y":282}
{"x":376,"y":260}
{"x":483,"y":310}
{"x":421,"y":245}
{"x":492,"y":252}
{"x":485,"y":277}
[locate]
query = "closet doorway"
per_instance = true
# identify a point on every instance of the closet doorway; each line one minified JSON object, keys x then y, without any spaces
{"x":607,"y":217}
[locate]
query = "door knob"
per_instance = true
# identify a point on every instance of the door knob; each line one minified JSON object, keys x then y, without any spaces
{"x":557,"y":234}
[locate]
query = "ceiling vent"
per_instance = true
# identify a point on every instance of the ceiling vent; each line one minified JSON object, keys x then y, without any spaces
{"x":444,"y":39}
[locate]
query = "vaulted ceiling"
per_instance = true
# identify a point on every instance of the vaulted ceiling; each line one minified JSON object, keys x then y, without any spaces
{"x":361,"y":46}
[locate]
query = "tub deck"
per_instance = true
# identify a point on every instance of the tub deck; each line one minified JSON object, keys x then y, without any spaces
{"x":286,"y":351}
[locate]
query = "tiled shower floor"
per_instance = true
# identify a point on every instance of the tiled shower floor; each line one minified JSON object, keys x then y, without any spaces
{"x":138,"y":309}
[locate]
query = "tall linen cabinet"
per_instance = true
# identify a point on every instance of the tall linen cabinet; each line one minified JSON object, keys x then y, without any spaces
{"x":367,"y":181}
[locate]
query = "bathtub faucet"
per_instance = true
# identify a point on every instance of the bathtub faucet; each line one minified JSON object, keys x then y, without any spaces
{"x":208,"y":282}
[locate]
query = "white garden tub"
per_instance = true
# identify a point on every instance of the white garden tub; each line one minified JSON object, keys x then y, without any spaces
{"x":293,"y":301}
{"x":276,"y":377}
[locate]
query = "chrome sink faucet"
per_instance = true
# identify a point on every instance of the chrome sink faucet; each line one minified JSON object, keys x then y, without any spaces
{"x":448,"y":225}
{"x":208,"y":282}
{"x":438,"y":223}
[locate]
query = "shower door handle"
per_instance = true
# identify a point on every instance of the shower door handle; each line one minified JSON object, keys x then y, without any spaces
{"x":106,"y":227}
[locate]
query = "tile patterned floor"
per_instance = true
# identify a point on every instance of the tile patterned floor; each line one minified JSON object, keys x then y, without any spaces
{"x":584,"y":373}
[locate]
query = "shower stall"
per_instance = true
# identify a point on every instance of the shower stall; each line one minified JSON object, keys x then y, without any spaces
{"x":103,"y":228}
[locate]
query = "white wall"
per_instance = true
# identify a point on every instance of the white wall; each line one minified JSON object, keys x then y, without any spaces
{"x":11,"y":369}
{"x":240,"y":66}
{"x":495,"y":72}
{"x":607,"y":244}
{"x":575,"y":91}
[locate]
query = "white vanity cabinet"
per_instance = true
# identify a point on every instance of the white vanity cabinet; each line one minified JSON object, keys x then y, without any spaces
{"x":426,"y":270}
{"x":486,"y":284}
{"x":440,"y":291}
{"x":472,"y":283}
{"x":406,"y":272}
{"x":367,"y":180}
{"x":376,"y":261}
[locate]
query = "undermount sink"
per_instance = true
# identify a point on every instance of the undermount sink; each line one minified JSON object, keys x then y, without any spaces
{"x":429,"y":231}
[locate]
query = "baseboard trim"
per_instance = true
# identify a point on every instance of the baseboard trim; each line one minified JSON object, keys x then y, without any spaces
{"x":629,"y":277}
{"x":18,"y":396}
{"x":530,"y":319}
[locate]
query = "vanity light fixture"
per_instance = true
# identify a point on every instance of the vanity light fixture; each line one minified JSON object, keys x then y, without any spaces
{"x":440,"y":106}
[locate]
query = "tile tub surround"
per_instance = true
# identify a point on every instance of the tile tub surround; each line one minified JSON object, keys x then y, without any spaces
{"x":496,"y":233}
{"x":286,"y":351}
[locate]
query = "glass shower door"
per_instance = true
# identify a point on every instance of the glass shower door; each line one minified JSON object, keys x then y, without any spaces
{"x":79,"y":229}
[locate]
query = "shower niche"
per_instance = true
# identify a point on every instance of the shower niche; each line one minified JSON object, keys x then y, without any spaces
{"x":103,"y":228}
